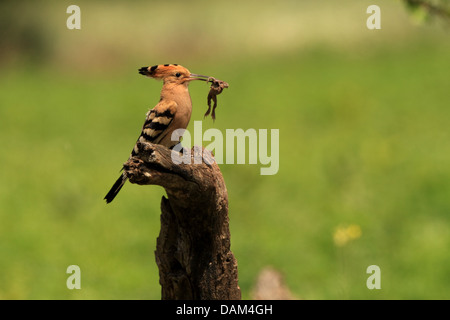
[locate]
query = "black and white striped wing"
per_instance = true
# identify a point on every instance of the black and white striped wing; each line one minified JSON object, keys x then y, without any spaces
{"x":155,"y":127}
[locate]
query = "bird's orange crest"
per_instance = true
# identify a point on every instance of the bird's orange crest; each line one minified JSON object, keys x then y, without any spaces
{"x":162,"y":71}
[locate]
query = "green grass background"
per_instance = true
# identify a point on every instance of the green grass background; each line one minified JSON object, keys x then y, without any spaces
{"x":364,"y":139}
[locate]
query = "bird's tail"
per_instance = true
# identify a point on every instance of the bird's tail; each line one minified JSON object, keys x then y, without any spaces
{"x":115,"y":188}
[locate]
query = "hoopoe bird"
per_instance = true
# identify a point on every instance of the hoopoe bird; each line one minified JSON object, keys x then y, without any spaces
{"x":171,"y":113}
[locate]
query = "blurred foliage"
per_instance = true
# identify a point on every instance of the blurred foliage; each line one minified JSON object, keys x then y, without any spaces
{"x":22,"y":32}
{"x":423,"y":10}
{"x":37,"y":32}
{"x":364,"y":156}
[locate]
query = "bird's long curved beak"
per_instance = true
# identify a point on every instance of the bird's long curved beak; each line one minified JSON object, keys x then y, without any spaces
{"x":198,"y":77}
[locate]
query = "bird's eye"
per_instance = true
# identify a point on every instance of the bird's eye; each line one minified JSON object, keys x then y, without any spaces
{"x":177,"y":74}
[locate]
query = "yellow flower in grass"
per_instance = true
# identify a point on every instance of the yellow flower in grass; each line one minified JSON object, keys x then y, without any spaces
{"x":344,"y":235}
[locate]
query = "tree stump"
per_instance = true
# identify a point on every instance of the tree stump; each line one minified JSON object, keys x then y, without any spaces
{"x":193,"y":248}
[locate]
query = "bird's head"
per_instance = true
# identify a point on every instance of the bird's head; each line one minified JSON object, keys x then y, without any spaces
{"x":171,"y":73}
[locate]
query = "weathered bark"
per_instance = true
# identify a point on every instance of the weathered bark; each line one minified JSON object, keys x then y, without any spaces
{"x":193,"y":248}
